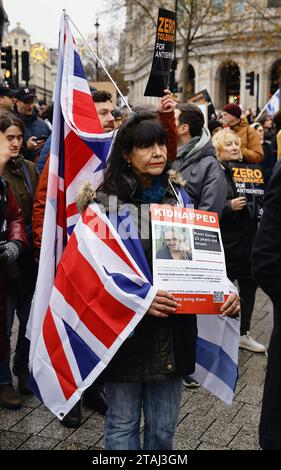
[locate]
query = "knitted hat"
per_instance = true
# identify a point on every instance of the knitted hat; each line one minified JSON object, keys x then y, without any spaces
{"x":233,"y":109}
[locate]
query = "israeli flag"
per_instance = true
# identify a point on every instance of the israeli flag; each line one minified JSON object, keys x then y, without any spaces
{"x":217,"y":355}
{"x":273,"y":105}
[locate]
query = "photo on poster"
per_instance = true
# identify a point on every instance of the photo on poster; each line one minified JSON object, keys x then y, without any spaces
{"x":173,"y":243}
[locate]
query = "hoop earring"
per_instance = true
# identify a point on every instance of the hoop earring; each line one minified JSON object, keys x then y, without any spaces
{"x":129,"y":164}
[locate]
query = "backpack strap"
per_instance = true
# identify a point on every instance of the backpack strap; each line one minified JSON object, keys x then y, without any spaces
{"x":27,"y":179}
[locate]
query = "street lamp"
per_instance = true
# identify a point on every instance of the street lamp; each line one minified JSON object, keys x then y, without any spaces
{"x":97,"y":25}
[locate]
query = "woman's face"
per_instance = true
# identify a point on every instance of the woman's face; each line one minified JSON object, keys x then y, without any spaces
{"x":148,"y":160}
{"x":260,"y":131}
{"x":231,"y":148}
{"x":172,"y":241}
{"x":15,"y":139}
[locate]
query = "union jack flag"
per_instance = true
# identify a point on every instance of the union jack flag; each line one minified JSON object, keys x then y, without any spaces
{"x":100,"y":295}
{"x":79,"y":150}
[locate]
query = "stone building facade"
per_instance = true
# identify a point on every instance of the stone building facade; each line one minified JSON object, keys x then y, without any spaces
{"x":42,"y":75}
{"x":218,"y":62}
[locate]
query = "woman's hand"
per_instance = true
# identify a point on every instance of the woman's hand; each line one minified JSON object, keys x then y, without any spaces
{"x":238,"y":203}
{"x":231,"y":308}
{"x":167,"y":103}
{"x":163,"y":304}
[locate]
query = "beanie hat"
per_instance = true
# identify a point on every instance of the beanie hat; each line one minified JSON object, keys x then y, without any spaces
{"x":233,"y":109}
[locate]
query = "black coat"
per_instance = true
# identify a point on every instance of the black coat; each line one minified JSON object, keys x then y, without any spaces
{"x":266,"y":261}
{"x":158,"y":347}
{"x":268,"y":162}
{"x":238,"y":232}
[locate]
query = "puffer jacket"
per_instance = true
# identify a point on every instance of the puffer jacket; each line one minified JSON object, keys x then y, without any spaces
{"x":250,"y":142}
{"x":158,"y":347}
{"x":39,"y":205}
{"x":205,"y":179}
{"x":24,"y":189}
{"x":12,"y":229}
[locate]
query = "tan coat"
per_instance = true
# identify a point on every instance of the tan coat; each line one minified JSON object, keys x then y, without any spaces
{"x":250,"y":142}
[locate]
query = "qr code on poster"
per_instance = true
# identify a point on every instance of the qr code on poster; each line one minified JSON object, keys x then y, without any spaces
{"x":218,"y":297}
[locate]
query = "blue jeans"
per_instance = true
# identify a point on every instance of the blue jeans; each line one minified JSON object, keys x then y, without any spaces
{"x":21,"y":305}
{"x":160,"y":402}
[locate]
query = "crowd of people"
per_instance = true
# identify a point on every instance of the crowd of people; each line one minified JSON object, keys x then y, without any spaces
{"x":153,"y":155}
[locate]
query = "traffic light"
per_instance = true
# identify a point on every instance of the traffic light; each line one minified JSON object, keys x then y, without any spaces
{"x":7,"y":58}
{"x":25,"y":66}
{"x":250,"y":82}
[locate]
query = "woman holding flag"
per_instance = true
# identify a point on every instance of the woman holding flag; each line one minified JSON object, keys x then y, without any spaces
{"x":146,"y":372}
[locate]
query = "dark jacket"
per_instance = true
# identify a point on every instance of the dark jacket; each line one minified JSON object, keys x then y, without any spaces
{"x":268,"y":162}
{"x":23,"y":177}
{"x":238,"y":232}
{"x":33,"y":126}
{"x":205,"y":180}
{"x":267,"y":247}
{"x":44,"y":154}
{"x":266,"y":260}
{"x":158,"y":347}
{"x":10,"y":217}
{"x":15,"y":175}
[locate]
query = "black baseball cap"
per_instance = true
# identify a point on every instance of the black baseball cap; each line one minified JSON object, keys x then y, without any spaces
{"x":24,"y":93}
{"x":6,"y":91}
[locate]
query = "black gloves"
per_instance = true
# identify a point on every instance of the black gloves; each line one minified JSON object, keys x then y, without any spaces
{"x":9,"y":252}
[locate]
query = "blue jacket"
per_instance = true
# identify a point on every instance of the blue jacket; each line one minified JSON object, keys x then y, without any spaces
{"x":43,"y":155}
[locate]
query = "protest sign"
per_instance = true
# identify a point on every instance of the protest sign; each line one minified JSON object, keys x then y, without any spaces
{"x":163,"y":54}
{"x":188,"y":258}
{"x":203,"y":97}
{"x":249,"y":181}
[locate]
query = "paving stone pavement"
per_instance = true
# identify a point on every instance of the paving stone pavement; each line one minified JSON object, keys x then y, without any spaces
{"x":205,"y":423}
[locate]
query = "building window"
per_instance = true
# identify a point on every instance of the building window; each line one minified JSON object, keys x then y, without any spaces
{"x":16,"y":41}
{"x":273,"y":3}
{"x":131,"y":50}
{"x":24,"y":42}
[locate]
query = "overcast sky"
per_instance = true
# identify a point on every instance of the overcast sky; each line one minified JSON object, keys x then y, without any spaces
{"x":41,"y":18}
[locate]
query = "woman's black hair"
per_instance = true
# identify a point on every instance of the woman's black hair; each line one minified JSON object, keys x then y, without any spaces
{"x":277,"y":121}
{"x":7,"y":120}
{"x":48,"y":113}
{"x":141,"y":130}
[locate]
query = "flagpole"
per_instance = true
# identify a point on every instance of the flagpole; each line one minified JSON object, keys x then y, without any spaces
{"x":260,"y":113}
{"x":100,"y":63}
